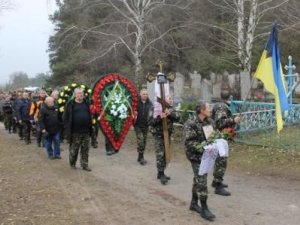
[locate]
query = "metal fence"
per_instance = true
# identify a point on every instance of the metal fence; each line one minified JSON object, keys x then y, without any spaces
{"x":258,"y":125}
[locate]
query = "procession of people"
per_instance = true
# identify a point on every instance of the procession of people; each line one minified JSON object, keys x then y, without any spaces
{"x":31,"y":114}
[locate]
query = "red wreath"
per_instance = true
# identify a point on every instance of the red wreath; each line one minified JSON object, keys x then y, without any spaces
{"x":98,"y":107}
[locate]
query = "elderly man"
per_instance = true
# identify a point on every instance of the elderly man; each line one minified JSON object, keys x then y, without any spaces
{"x":141,"y":124}
{"x":194,"y":136}
{"x":50,"y":123}
{"x":78,"y":127}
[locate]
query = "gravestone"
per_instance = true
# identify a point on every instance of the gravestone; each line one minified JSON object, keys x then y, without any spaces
{"x":195,"y":84}
{"x":178,"y":88}
{"x":216,"y":89}
{"x":213,"y":78}
{"x":206,"y":90}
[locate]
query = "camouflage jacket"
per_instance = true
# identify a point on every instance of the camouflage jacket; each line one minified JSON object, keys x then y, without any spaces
{"x":222,"y":116}
{"x":156,"y":123}
{"x":193,"y":136}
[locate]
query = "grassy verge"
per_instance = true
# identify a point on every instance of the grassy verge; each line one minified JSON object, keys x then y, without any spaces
{"x":265,"y":161}
{"x":274,"y":161}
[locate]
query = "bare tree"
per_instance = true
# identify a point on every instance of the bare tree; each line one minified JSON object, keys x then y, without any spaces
{"x":132,"y":26}
{"x":247,"y":24}
{"x":18,"y":80}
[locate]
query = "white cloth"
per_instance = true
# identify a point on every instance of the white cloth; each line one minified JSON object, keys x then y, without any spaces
{"x":222,"y":146}
{"x":156,"y":104}
{"x":211,"y":152}
{"x":208,"y":159}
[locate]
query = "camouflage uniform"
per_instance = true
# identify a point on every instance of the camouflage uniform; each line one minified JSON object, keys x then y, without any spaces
{"x":141,"y":124}
{"x":79,"y":141}
{"x":193,"y":136}
{"x":157,"y":132}
{"x":223,"y":119}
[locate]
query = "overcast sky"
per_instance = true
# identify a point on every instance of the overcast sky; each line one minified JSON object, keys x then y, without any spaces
{"x":24,"y":34}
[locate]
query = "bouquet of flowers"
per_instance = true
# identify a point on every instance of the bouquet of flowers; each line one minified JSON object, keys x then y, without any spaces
{"x":229,"y":134}
{"x":117,"y":107}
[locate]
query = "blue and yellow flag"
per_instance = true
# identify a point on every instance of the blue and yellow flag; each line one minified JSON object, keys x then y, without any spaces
{"x":269,"y":71}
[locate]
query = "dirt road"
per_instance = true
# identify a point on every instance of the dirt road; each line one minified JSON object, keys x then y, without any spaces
{"x":35,"y":190}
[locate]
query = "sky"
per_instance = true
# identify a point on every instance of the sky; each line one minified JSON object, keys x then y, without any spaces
{"x":24,"y":34}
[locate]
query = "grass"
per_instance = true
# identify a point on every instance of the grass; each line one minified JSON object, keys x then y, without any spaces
{"x":287,"y":139}
{"x":265,"y":161}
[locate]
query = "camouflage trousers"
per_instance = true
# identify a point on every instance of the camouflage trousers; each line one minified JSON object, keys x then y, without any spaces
{"x":79,"y":142}
{"x":141,"y":138}
{"x":160,"y":152}
{"x":220,"y":168}
{"x":199,"y":182}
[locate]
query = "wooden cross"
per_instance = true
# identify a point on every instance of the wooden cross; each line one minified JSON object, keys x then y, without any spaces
{"x":162,"y":79}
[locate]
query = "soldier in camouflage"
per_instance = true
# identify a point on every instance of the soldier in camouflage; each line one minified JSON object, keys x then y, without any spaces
{"x":223,"y":119}
{"x":193,"y":137}
{"x":141,"y":124}
{"x":78,"y":125}
{"x":157,"y":132}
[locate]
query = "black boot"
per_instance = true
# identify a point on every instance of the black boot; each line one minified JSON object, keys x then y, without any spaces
{"x":159,"y":174}
{"x":194,"y":204}
{"x":162,"y":177}
{"x":141,"y":159}
{"x":95,"y":145}
{"x":215,"y":184}
{"x":220,"y":190}
{"x":205,"y":213}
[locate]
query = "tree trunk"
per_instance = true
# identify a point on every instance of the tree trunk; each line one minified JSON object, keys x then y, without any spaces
{"x":245,"y":80}
{"x":139,"y":78}
{"x":240,"y":28}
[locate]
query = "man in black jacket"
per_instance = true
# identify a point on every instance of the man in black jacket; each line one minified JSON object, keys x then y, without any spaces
{"x":50,"y":125}
{"x":78,"y":127}
{"x":141,"y":124}
{"x":8,"y":114}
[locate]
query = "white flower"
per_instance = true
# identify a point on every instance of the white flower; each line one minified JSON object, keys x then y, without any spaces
{"x":123,"y":116}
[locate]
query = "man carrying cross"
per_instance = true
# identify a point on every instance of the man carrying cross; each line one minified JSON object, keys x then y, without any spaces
{"x":161,"y":120}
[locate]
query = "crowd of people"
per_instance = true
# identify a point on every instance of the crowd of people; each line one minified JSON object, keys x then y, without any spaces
{"x":28,"y":114}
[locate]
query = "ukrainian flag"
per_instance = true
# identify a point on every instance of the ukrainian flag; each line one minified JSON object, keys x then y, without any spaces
{"x":269,"y":71}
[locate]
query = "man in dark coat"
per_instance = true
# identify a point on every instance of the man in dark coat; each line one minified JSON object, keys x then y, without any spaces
{"x":78,"y":128}
{"x":50,"y":124}
{"x":141,"y":124}
{"x":23,"y":117}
